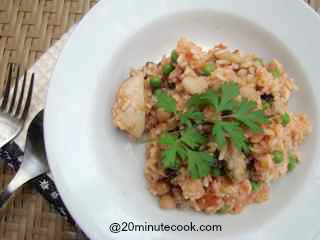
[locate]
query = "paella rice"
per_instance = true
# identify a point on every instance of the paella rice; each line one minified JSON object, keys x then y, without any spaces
{"x":218,"y":127}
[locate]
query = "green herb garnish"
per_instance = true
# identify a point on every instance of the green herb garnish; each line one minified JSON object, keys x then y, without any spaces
{"x":199,"y":163}
{"x":223,"y":102}
{"x":216,"y":172}
{"x":192,"y":138}
{"x":165,"y":101}
{"x":250,"y":117}
{"x":185,"y":148}
{"x":222,"y":130}
{"x":198,"y":101}
{"x":187,"y":118}
{"x":228,"y":92}
{"x":276,"y":73}
{"x":244,"y":112}
{"x":169,"y":155}
{"x":231,"y":118}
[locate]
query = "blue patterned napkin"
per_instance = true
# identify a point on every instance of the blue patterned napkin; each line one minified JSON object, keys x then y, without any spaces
{"x":11,"y":153}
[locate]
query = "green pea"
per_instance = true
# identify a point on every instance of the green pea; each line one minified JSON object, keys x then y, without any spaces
{"x":276,"y":73}
{"x":224,"y":209}
{"x":155,"y":81}
{"x":285,"y":119}
{"x":278,"y":157}
{"x":255,"y":186}
{"x":174,"y":56}
{"x":167,"y":69}
{"x":216,"y":172}
{"x":208,"y":69}
{"x":293,"y":160}
{"x":266,"y":105}
{"x":259,"y":61}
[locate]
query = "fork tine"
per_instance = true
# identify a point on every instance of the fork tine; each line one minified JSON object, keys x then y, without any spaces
{"x":28,"y":100}
{"x":6,"y":90}
{"x":15,"y":90}
{"x":21,"y":95}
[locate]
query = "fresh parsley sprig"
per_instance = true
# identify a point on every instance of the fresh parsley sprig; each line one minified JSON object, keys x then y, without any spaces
{"x":222,"y":129}
{"x":252,"y":118}
{"x":221,"y":102}
{"x":169,"y":155}
{"x":188,"y":117}
{"x":186,"y":148}
{"x":199,"y":163}
{"x":231,"y":118}
{"x":166,"y":102}
{"x":239,"y":112}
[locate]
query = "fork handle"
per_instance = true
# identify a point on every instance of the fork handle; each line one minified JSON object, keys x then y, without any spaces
{"x":4,"y":196}
{"x":16,"y":182}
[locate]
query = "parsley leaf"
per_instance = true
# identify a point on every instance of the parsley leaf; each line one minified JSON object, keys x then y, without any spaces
{"x":193,"y":138}
{"x":251,"y":118}
{"x":221,"y":103}
{"x":212,"y":98}
{"x":228,"y":92}
{"x":181,"y":150}
{"x":165,"y":101}
{"x":218,"y":134}
{"x":198,"y":101}
{"x":184,"y":145}
{"x":168,"y":139}
{"x":169,"y":157}
{"x":170,"y":154}
{"x":222,"y":129}
{"x":185,"y":118}
{"x":236,"y":134}
{"x":199,"y":164}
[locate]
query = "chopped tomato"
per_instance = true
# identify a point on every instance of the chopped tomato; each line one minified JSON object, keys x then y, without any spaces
{"x":211,"y":200}
{"x":189,"y":56}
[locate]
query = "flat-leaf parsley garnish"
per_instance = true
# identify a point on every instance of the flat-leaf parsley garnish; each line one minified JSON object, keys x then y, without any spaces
{"x":192,"y":138}
{"x":233,"y":115}
{"x":199,"y":163}
{"x":185,"y":148}
{"x":222,"y":130}
{"x":252,"y":118}
{"x":165,"y":101}
{"x":188,"y":117}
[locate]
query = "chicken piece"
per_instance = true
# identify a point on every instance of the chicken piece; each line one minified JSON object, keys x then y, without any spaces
{"x":236,"y":164}
{"x":194,"y":84}
{"x":129,"y":108}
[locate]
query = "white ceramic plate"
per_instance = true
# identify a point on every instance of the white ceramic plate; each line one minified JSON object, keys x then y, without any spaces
{"x":99,"y":172}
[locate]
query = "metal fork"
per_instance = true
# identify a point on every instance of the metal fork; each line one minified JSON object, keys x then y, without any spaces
{"x":15,"y":104}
